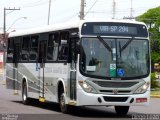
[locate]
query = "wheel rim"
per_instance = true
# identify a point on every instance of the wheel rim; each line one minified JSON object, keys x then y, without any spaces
{"x":24,"y":94}
{"x":62,"y":102}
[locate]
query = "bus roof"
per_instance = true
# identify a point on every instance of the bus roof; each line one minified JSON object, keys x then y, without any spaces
{"x":65,"y":25}
{"x":44,"y":29}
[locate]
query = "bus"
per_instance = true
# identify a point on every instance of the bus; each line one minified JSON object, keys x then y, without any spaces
{"x":83,"y":63}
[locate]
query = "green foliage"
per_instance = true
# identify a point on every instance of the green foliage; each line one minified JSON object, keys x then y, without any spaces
{"x":152,"y":20}
{"x":155,"y":57}
{"x":154,"y":83}
{"x":151,"y":16}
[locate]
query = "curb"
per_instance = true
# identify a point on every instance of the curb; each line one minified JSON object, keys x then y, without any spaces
{"x":155,"y":96}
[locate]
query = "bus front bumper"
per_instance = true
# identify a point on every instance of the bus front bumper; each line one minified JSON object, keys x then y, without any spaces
{"x":90,"y":99}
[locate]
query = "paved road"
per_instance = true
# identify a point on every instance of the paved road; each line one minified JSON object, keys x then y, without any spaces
{"x":12,"y":107}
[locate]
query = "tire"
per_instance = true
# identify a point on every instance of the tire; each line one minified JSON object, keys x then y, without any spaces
{"x":25,"y":98}
{"x":121,"y":110}
{"x":63,"y":105}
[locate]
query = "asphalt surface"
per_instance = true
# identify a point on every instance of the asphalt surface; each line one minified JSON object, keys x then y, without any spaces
{"x":11,"y":108}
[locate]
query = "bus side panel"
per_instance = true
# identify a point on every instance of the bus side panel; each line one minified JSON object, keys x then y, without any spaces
{"x":12,"y":81}
{"x":54,"y":72}
{"x":29,"y":72}
{"x":9,"y":76}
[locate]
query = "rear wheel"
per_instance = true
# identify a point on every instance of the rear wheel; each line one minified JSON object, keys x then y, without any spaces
{"x":25,"y":98}
{"x":121,"y":110}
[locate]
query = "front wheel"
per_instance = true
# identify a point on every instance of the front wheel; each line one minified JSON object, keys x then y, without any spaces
{"x":121,"y":110}
{"x":63,"y":106}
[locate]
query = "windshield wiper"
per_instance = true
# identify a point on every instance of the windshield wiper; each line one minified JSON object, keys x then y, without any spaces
{"x":127,"y":43}
{"x":104,"y":43}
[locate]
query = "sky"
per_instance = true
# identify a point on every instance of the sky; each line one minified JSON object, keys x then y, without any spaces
{"x":36,"y":11}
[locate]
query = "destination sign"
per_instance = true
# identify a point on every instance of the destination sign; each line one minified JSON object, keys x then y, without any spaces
{"x":114,"y":29}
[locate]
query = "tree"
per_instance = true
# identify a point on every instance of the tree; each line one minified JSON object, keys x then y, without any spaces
{"x":154,"y":83}
{"x":1,"y":42}
{"x":152,"y":20}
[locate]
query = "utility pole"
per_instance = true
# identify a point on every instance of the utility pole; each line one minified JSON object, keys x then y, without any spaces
{"x":131,"y":13}
{"x":131,"y":10}
{"x":114,"y":9}
{"x":49,"y":9}
{"x":5,"y":39}
{"x":4,"y":24}
{"x":82,"y":10}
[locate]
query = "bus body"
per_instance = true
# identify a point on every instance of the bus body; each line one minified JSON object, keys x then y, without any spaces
{"x":89,"y":63}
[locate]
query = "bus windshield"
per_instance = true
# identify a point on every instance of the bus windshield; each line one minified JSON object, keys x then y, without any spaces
{"x":114,"y":57}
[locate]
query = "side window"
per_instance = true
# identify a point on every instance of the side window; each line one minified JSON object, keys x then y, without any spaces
{"x":34,"y":48}
{"x":25,"y":48}
{"x":17,"y":49}
{"x":52,"y":51}
{"x":10,"y":50}
{"x":63,"y":46}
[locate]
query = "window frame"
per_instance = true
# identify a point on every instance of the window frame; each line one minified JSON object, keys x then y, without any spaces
{"x":33,"y":47}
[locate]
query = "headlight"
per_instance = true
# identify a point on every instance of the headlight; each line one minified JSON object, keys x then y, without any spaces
{"x":143,"y":88}
{"x":86,"y":87}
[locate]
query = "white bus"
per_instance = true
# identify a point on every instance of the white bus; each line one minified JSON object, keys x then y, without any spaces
{"x":86,"y":63}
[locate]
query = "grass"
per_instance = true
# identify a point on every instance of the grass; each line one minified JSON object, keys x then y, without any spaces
{"x":155,"y":92}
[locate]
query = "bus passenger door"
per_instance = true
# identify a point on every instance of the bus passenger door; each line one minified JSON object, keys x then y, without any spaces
{"x":41,"y":61}
{"x":73,"y":69}
{"x":15,"y":65}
